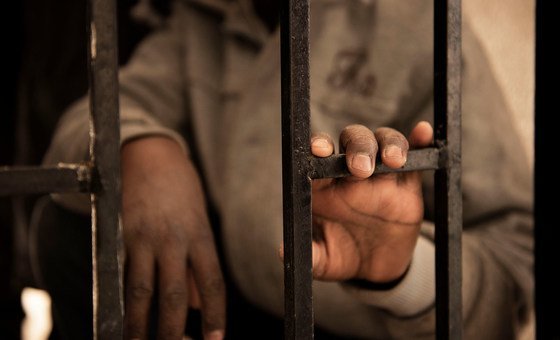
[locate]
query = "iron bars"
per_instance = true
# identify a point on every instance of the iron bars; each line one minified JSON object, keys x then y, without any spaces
{"x":299,"y":167}
{"x":100,"y":175}
{"x":448,"y":199}
{"x":108,"y":307}
{"x":298,"y":294}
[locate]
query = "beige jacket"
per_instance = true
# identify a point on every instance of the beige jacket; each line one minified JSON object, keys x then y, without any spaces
{"x":210,"y":79}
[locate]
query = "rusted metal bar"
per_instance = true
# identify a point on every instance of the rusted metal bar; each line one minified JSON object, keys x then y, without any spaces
{"x":105,"y":155}
{"x":35,"y":180}
{"x":335,"y":166}
{"x":448,"y":200}
{"x":298,"y":308}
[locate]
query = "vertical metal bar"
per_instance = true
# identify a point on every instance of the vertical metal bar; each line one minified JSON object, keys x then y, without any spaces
{"x":105,"y":155}
{"x":296,"y":169}
{"x":447,"y":119}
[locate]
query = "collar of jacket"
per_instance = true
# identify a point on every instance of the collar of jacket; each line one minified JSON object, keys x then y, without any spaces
{"x":238,"y":18}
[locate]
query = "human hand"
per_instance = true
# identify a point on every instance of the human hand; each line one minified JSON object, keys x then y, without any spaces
{"x":170,"y":249}
{"x":364,"y":226}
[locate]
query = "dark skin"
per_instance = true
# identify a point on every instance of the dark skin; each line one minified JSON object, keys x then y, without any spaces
{"x":168,"y":238}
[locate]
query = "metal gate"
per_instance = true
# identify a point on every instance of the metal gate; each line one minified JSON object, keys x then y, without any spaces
{"x":299,"y":167}
{"x":101,"y":175}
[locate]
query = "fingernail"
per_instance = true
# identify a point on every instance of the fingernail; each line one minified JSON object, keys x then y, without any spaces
{"x":320,"y":147}
{"x":362,"y":161}
{"x":215,"y":335}
{"x":320,"y":143}
{"x":393,"y":152}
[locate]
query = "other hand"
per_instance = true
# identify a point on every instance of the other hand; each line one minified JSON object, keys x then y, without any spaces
{"x":170,"y":249}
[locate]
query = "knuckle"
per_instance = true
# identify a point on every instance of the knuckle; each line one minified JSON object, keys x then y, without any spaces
{"x":141,"y":292}
{"x":213,"y":288}
{"x":363,"y":138}
{"x":353,"y":131}
{"x":173,"y":240}
{"x":396,"y":139}
{"x":362,"y":142}
{"x":204,"y":239}
{"x":174,"y":298}
{"x":173,"y":234}
{"x":137,"y":230}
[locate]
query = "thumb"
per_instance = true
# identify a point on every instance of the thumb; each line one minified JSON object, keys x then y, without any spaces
{"x":318,"y":258}
{"x":421,"y":136}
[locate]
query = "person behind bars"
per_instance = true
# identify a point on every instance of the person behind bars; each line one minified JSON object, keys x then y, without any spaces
{"x":200,"y":126}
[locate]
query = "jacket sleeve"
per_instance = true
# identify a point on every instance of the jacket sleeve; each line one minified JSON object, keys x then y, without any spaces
{"x":152,"y":102}
{"x":497,"y":223}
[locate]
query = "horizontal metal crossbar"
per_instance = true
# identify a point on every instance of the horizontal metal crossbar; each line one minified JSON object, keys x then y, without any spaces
{"x":335,"y":166}
{"x":78,"y":177}
{"x":42,"y":180}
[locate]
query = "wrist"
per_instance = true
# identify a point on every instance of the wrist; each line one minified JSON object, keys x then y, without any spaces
{"x":390,"y":258}
{"x":373,"y":285}
{"x":413,"y":294}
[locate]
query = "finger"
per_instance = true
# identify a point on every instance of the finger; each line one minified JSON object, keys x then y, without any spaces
{"x":194,"y":295}
{"x":335,"y":256}
{"x":139,"y":291}
{"x":208,"y":278}
{"x":319,"y":256}
{"x":173,"y":294}
{"x":361,"y":148}
{"x":422,"y":135}
{"x":322,"y":145}
{"x":393,"y":147}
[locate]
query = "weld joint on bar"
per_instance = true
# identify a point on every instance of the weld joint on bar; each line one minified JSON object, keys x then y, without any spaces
{"x":447,"y":158}
{"x":96,"y":184}
{"x":444,"y":160}
{"x":83,"y":174}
